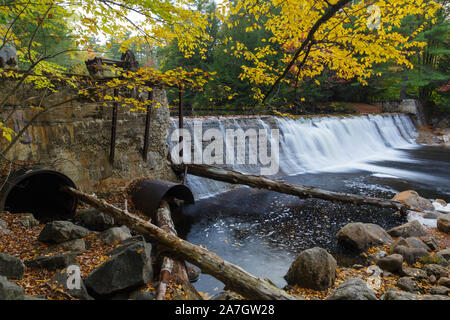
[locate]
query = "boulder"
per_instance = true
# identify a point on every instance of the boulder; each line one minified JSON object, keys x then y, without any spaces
{"x":353,"y":289}
{"x":314,"y":269}
{"x":10,"y":291}
{"x":431,"y":215}
{"x":77,"y":245}
{"x":124,"y":271}
{"x":143,"y":296}
{"x":431,"y":243}
{"x":441,"y":290}
{"x":444,"y":281}
{"x":392,"y":263}
{"x":445,"y":253}
{"x":412,"y":242}
{"x":412,"y":199}
{"x":359,"y":236}
{"x":227,"y":295}
{"x":61,"y":231}
{"x":4,"y":231}
{"x":94,"y":220}
{"x":3,"y":224}
{"x":11,"y":267}
{"x":116,"y":234}
{"x":411,"y":255}
{"x":443,"y":223}
{"x":414,"y":273}
{"x":78,"y":290}
{"x":58,"y":261}
{"x":28,"y":220}
{"x":410,"y":229}
{"x":394,"y":294}
{"x":436,"y":270}
{"x":407,"y":284}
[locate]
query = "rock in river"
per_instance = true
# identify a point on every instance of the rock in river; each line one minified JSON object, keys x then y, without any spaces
{"x":412,"y":199}
{"x":410,"y":229}
{"x":392,"y":263}
{"x":353,"y":289}
{"x":359,"y":236}
{"x":443,"y":223}
{"x":314,"y":268}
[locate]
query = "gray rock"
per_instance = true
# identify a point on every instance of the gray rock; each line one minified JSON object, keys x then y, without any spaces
{"x":226,"y":295}
{"x":431,"y":215}
{"x":392,"y":263}
{"x":410,"y":229}
{"x":431,"y":243}
{"x":125,"y":244}
{"x":4,"y":231}
{"x":124,"y":271}
{"x":10,"y":291}
{"x":414,"y":273}
{"x":94,"y":219}
{"x":441,"y":290}
{"x":444,"y":281}
{"x":411,"y":255}
{"x":414,"y":200}
{"x":359,"y":236}
{"x":394,"y":294}
{"x":77,"y":245}
{"x":3,"y":224}
{"x":62,"y":231}
{"x":314,"y":268}
{"x":28,"y":220}
{"x":412,"y":242}
{"x":436,"y":270}
{"x":11,"y":267}
{"x":407,"y":284}
{"x":34,"y":298}
{"x":445,"y":253}
{"x":58,"y":261}
{"x":61,"y":279}
{"x":143,"y":296}
{"x":116,"y":234}
{"x":432,"y":279}
{"x":353,"y":289}
{"x":443,"y":223}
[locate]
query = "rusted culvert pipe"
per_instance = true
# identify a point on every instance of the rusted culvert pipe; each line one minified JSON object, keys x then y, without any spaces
{"x":38,"y":190}
{"x":145,"y":195}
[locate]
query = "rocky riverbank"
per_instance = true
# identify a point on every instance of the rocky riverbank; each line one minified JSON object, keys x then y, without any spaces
{"x":39,"y":261}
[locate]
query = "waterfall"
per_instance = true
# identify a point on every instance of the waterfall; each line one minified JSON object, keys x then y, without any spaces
{"x":310,"y":144}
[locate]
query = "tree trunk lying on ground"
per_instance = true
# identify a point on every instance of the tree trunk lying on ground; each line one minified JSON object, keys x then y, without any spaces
{"x":262,"y":182}
{"x":170,"y":268}
{"x":234,"y":277}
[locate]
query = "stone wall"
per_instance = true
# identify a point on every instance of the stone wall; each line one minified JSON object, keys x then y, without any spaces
{"x":75,"y":139}
{"x":408,"y":106}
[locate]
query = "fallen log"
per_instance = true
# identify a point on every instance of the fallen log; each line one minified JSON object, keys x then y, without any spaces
{"x":172,"y":269}
{"x":262,"y":182}
{"x":234,"y":277}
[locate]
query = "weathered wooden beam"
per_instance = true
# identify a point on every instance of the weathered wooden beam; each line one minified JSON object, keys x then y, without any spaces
{"x":234,"y":277}
{"x":172,"y":268}
{"x":262,"y":182}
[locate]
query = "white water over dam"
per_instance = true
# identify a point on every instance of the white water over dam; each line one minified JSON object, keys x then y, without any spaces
{"x":312,"y":144}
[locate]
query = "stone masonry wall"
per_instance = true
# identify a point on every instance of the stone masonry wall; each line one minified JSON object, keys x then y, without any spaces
{"x":75,"y":139}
